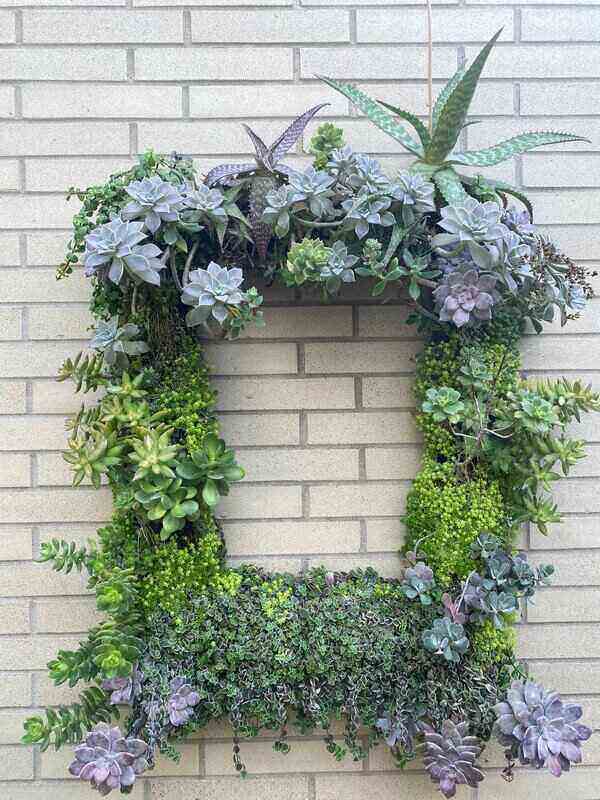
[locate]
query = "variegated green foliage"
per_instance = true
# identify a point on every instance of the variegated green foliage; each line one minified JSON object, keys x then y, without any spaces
{"x":450,"y":186}
{"x":412,"y":120}
{"x":490,"y":156}
{"x":443,"y":96}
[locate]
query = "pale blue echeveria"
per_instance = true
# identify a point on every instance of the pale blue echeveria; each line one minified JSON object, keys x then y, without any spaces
{"x":155,"y":200}
{"x":342,"y":162}
{"x":277,"y":212}
{"x":366,"y":209}
{"x":313,"y":187}
{"x":367,"y":173}
{"x":414,"y":192}
{"x":465,"y":297}
{"x":339,"y":267}
{"x":207,"y":201}
{"x":210,"y":291}
{"x":470,"y":223}
{"x":115,"y":246}
{"x":117,"y":343}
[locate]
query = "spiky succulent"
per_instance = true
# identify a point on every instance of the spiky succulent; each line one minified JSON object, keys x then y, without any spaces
{"x":539,"y":728}
{"x":155,"y":200}
{"x":181,"y":702}
{"x":114,"y":249}
{"x":450,"y":757}
{"x":264,"y":173}
{"x":92,"y":456}
{"x":211,"y":291}
{"x":434,"y":147}
{"x":418,"y":582}
{"x":117,"y":343}
{"x":446,"y":638}
{"x":465,"y":297}
{"x":154,"y":456}
{"x":109,"y":760}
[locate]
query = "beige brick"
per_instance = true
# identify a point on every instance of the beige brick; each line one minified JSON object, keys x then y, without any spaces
{"x":573,"y":495}
{"x":60,"y":322}
{"x":581,"y":242}
{"x":65,"y":616}
{"x":257,"y":429}
{"x":78,"y":532}
{"x":10,"y":323}
{"x":214,"y":64}
{"x":388,"y":392}
{"x":588,"y":467}
{"x":47,"y":249}
{"x":367,"y":427}
{"x":199,"y":137}
{"x":9,"y":252}
{"x":385,"y":564}
{"x":15,"y":470}
{"x":51,"y":397}
{"x":576,"y":677}
{"x":11,"y":726}
{"x":64,"y":138}
{"x":561,"y":207}
{"x":7,"y":101}
{"x":575,"y":568}
{"x":356,"y":357}
{"x":57,"y":790}
{"x":304,"y":322}
{"x":288,"y":564}
{"x":15,"y":689}
{"x":565,"y":605}
{"x":58,"y":174}
{"x":266,"y":538}
{"x":384,"y":322}
{"x":31,"y":433}
{"x":314,"y":464}
{"x":564,"y":352}
{"x":53,"y":470}
{"x":563,"y":641}
{"x":573,"y":531}
{"x":34,"y":3}
{"x":303,"y":757}
{"x":261,"y":502}
{"x":252,"y":359}
{"x":31,"y":652}
{"x":358,"y":500}
{"x":376,"y":2}
{"x":71,"y":505}
{"x":531,"y":61}
{"x":7,"y":27}
{"x":587,"y":322}
{"x":561,"y":169}
{"x":100,"y":26}
{"x":30,"y":359}
{"x":560,"y":25}
{"x":399,"y":463}
{"x":261,"y":100}
{"x":40,"y":211}
{"x":559,"y":97}
{"x":12,"y":397}
{"x":10,"y":179}
{"x":449,"y":25}
{"x":271,"y":393}
{"x":356,"y":787}
{"x":267,"y":27}
{"x":63,"y":63}
{"x":36,"y":580}
{"x":285,"y":788}
{"x":384,"y":535}
{"x":534,"y":783}
{"x":14,"y":617}
{"x":16,"y":764}
{"x":375,"y":62}
{"x":15,"y":543}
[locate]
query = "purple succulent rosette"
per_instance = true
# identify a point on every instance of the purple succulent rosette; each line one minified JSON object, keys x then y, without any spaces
{"x":463,"y":294}
{"x":540,"y":729}
{"x":124,"y":690}
{"x":181,"y":702}
{"x":450,"y":757}
{"x":108,"y":760}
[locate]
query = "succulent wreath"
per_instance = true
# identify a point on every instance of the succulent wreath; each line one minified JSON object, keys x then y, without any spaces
{"x":425,"y":662}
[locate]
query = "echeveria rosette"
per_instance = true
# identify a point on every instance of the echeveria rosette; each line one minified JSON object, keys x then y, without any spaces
{"x":418,"y":581}
{"x":108,"y":760}
{"x":277,"y":212}
{"x":211,"y":291}
{"x":339,"y":267}
{"x":450,"y":757}
{"x":366,"y":174}
{"x":206,"y":201}
{"x":466,"y":297}
{"x":366,"y":209}
{"x":342,"y":162}
{"x":117,"y":343}
{"x":124,"y":690}
{"x":444,"y":404}
{"x":115,"y":247}
{"x":154,"y":199}
{"x":312,"y":187}
{"x":446,"y":638}
{"x":539,"y":728}
{"x":415,"y":193}
{"x":471,"y":225}
{"x":181,"y":702}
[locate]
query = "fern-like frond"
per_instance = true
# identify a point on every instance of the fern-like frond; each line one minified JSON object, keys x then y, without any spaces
{"x":411,"y":119}
{"x":378,"y":115}
{"x":454,"y":113}
{"x":513,"y":147}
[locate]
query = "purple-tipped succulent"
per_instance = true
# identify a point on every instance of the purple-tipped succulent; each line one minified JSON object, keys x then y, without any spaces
{"x":109,"y":760}
{"x":124,"y":690}
{"x":539,"y":728}
{"x":181,"y":702}
{"x":463,"y":294}
{"x":450,"y":757}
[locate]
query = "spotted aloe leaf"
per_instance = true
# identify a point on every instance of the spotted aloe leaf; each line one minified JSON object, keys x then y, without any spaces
{"x":411,"y":119}
{"x":378,"y":115}
{"x":290,"y":136}
{"x":450,"y":186}
{"x":443,"y":96}
{"x":513,"y":147}
{"x":217,"y":174}
{"x":454,"y":113}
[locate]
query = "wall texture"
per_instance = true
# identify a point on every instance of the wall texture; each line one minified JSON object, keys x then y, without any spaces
{"x":319,"y":402}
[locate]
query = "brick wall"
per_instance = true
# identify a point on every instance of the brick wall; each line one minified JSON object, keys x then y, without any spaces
{"x":318,"y":403}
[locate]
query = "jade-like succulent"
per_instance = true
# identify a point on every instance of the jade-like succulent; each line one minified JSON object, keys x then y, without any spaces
{"x":264,"y":173}
{"x":446,"y":638}
{"x":117,"y":343}
{"x":167,"y":501}
{"x":92,"y":456}
{"x":450,"y":757}
{"x":418,"y":582}
{"x":535,"y":413}
{"x":306,"y":260}
{"x":114,"y":248}
{"x":215,"y":466}
{"x":181,"y":702}
{"x":211,"y":291}
{"x":154,"y":455}
{"x":539,"y":728}
{"x":155,"y":200}
{"x":465,"y":297}
{"x":444,"y":404}
{"x":109,"y":760}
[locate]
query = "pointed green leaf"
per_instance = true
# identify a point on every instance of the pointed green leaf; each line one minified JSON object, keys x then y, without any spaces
{"x":504,"y":188}
{"x":443,"y":96}
{"x":376,"y":114}
{"x":454,"y":114}
{"x":411,"y":119}
{"x":513,"y":147}
{"x":450,"y":186}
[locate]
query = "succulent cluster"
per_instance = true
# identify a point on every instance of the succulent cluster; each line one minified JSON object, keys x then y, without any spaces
{"x":181,"y":702}
{"x":108,"y":760}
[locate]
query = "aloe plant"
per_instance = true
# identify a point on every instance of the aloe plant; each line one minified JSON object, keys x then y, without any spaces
{"x":264,"y":172}
{"x":434,"y":146}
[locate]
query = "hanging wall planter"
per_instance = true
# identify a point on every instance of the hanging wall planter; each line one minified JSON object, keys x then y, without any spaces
{"x":426,"y":662}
